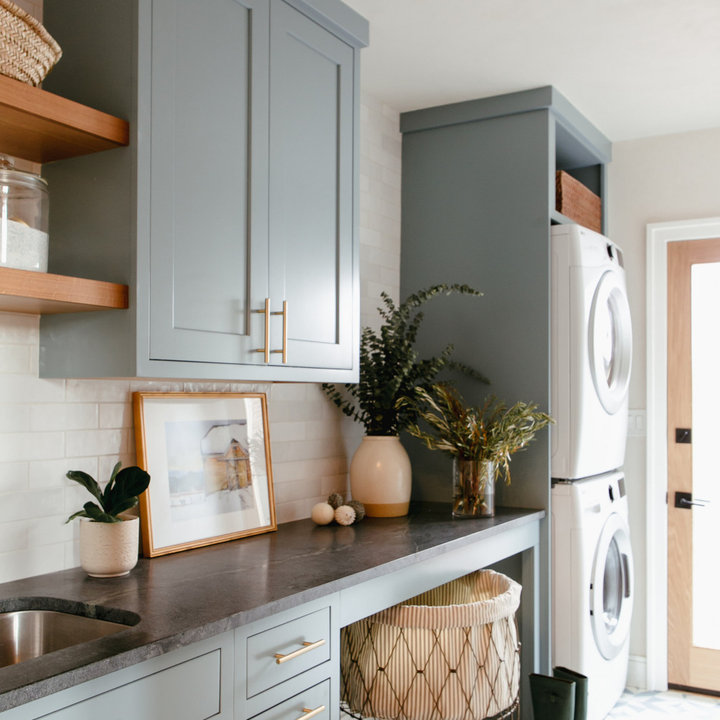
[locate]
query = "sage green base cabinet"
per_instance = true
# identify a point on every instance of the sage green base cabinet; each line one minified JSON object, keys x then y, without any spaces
{"x":288,"y":664}
{"x":192,"y":683}
{"x":478,"y":199}
{"x":232,"y":214}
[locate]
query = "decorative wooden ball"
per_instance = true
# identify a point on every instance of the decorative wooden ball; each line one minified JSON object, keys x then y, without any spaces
{"x":322,"y":513}
{"x":344,"y":515}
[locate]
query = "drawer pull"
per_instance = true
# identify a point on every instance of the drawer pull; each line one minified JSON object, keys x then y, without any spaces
{"x":306,"y":647}
{"x":308,"y":713}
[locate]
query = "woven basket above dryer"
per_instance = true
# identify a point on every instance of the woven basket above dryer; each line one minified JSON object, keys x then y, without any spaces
{"x":27,"y":50}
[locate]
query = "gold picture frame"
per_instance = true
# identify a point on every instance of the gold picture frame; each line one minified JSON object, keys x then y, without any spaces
{"x":208,"y":455}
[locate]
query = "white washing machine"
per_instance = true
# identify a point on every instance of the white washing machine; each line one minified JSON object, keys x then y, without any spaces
{"x":592,"y":585}
{"x":591,"y":353}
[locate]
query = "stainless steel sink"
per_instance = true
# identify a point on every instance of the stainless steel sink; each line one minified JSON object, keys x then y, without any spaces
{"x":26,"y":634}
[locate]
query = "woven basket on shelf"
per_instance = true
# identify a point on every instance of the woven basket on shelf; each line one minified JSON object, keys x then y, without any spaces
{"x":451,"y":653}
{"x":27,"y":51}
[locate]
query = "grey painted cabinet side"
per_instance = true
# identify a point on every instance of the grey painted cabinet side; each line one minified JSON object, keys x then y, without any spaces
{"x":476,"y":202}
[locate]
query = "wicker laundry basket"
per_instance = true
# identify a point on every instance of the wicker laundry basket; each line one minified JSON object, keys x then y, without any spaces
{"x":27,"y":50}
{"x":451,"y":653}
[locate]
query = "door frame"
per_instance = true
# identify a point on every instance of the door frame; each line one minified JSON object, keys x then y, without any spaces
{"x":658,"y":236}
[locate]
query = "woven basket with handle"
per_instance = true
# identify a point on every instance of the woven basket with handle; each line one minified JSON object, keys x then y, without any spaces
{"x":27,"y":50}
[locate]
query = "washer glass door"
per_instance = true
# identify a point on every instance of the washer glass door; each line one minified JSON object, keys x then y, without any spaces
{"x":611,"y":588}
{"x":610,"y":340}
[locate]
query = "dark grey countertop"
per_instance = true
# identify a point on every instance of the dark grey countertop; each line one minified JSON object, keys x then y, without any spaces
{"x":193,"y":595}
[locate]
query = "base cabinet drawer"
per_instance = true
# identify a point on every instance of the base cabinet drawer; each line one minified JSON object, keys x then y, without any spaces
{"x":283,"y":651}
{"x":188,"y":691}
{"x":311,"y":703}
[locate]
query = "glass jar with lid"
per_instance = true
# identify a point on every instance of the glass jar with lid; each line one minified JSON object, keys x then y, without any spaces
{"x":23,"y":219}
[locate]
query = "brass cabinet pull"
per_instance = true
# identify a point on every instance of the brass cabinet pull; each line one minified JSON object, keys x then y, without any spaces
{"x":284,"y":313}
{"x":306,"y":647}
{"x":308,"y":713}
{"x":266,"y":349}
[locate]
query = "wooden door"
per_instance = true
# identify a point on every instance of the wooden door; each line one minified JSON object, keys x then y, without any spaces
{"x":208,"y":180}
{"x":312,"y":254}
{"x":693,"y":519}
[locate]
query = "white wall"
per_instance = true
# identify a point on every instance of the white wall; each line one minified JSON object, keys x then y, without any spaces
{"x":50,"y":426}
{"x":674,"y":177}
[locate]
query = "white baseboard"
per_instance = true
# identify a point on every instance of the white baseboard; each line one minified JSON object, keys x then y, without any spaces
{"x":637,"y":673}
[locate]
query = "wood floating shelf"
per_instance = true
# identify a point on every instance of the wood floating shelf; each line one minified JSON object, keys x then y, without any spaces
{"x":26,"y":291}
{"x":39,"y":126}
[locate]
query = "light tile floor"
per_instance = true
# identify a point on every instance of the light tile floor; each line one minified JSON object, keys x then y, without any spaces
{"x":663,"y":705}
{"x":654,"y":706}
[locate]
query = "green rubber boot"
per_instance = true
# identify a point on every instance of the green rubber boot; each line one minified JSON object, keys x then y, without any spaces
{"x":581,"y":690}
{"x":553,"y":698}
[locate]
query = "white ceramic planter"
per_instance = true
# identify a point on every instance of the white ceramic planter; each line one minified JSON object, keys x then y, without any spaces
{"x":381,"y":476}
{"x":109,"y":549}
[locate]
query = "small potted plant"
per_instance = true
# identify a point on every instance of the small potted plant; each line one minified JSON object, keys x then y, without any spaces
{"x":108,"y":537}
{"x":391,"y":371}
{"x":480,"y":440}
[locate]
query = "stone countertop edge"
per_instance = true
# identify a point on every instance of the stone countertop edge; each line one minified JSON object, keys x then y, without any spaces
{"x":186,"y":597}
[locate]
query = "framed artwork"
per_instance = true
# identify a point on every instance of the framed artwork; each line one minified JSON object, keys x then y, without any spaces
{"x":208,"y":455}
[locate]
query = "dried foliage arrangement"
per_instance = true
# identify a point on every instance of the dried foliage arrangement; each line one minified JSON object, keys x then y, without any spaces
{"x":491,"y":431}
{"x":391,"y":373}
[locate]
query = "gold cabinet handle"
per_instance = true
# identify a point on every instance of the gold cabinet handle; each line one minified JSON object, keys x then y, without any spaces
{"x":308,"y":713}
{"x":306,"y":647}
{"x":284,"y":313}
{"x":266,"y":349}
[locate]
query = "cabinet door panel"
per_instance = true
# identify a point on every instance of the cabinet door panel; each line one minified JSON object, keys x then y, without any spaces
{"x":189,"y":691}
{"x":208,"y":225}
{"x":311,"y":156}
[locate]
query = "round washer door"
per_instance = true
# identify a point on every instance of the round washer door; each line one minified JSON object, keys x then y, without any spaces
{"x":611,"y":587}
{"x":610,"y":340}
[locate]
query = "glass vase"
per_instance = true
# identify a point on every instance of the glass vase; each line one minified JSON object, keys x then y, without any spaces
{"x":473,"y":488}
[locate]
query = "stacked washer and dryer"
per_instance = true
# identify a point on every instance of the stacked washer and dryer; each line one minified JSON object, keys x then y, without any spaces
{"x":592,"y":578}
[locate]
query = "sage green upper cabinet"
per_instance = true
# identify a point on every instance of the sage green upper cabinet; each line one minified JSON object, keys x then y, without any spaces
{"x":311,"y":195}
{"x":208,"y":179}
{"x":231,"y":216}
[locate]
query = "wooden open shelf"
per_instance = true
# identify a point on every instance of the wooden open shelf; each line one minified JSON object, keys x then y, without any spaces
{"x":39,"y":126}
{"x":26,"y":291}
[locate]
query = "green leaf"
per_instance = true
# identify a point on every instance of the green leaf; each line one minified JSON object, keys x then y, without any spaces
{"x":87,"y":482}
{"x":111,"y":483}
{"x":95,"y":513}
{"x":129,"y":483}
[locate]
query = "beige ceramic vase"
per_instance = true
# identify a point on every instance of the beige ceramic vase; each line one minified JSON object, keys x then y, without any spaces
{"x":381,"y":476}
{"x":109,"y":549}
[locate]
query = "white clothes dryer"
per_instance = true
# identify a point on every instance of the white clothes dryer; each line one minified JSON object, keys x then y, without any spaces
{"x":591,"y":351}
{"x":592,"y":585}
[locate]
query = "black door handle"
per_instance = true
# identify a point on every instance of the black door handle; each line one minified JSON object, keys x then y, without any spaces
{"x":684,"y":501}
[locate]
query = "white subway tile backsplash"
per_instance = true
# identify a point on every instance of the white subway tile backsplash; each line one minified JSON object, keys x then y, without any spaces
{"x":97,"y":390}
{"x":73,"y":416}
{"x":19,"y":329}
{"x":17,"y":359}
{"x":29,"y":389}
{"x":96,"y":442}
{"x":30,"y":504}
{"x":31,"y":446}
{"x":48,"y":427}
{"x":13,"y":476}
{"x":51,"y":473}
{"x":31,"y":561}
{"x":115,"y":415}
{"x":14,"y":418}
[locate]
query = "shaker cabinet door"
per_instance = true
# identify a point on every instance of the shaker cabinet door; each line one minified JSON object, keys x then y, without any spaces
{"x":208,"y":180}
{"x":311,"y":191}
